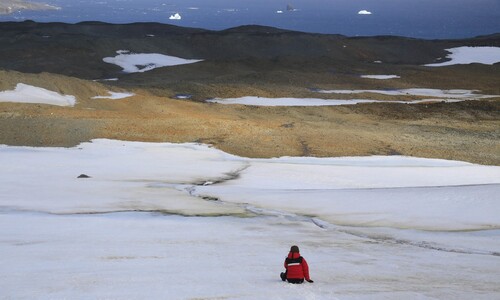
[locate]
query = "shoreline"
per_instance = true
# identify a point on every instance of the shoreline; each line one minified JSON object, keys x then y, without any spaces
{"x":257,"y":28}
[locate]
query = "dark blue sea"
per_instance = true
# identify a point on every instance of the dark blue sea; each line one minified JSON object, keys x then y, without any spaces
{"x":432,"y":19}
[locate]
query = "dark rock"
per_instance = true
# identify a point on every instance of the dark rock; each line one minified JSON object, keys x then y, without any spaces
{"x":84,"y":176}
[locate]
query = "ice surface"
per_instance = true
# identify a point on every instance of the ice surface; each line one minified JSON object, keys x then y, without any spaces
{"x":123,"y":232}
{"x":143,"y":62}
{"x":24,"y":93}
{"x":125,"y":176}
{"x":383,"y":191}
{"x":469,"y":55}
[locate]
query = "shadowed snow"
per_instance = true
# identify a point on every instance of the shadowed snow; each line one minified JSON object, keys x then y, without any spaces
{"x":143,"y":62}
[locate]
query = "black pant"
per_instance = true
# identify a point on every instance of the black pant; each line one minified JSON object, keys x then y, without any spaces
{"x":291,"y":280}
{"x":295,"y":281}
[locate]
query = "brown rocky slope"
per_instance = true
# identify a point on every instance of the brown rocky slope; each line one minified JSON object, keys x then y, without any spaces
{"x":288,"y":64}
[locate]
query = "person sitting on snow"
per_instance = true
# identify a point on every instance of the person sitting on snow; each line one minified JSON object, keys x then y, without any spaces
{"x":296,"y":267}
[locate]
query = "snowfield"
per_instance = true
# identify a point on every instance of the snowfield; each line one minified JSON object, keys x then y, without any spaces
{"x":143,"y":62}
{"x":263,"y":101}
{"x":115,"y":96}
{"x":429,"y":94}
{"x":458,"y":94}
{"x":184,"y":221}
{"x":381,"y":77}
{"x":24,"y":93}
{"x":468,"y":55}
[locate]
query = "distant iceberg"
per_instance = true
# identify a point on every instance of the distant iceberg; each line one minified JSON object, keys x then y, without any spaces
{"x":175,"y":16}
{"x":364,"y":12}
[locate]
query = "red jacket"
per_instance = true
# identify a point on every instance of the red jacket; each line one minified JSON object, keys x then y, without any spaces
{"x":296,"y":267}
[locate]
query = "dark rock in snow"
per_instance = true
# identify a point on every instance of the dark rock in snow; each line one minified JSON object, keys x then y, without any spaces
{"x":84,"y":176}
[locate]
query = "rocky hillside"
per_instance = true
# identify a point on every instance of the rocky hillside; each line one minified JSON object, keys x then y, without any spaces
{"x":244,"y":61}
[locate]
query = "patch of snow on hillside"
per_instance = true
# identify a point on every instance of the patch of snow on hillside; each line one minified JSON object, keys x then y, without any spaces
{"x":469,"y":55}
{"x":434,"y":93}
{"x":114,"y":96}
{"x":143,"y":62}
{"x":263,"y":101}
{"x":382,"y":77}
{"x":24,"y":93}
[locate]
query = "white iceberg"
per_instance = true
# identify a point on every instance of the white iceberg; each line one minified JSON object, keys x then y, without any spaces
{"x":469,"y":55}
{"x":364,"y":12}
{"x":175,"y":16}
{"x":24,"y":93}
{"x":143,"y":62}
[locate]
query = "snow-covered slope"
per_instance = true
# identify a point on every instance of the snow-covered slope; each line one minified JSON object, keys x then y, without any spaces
{"x":143,"y":62}
{"x":185,"y":221}
{"x":24,"y":93}
{"x":468,"y":55}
